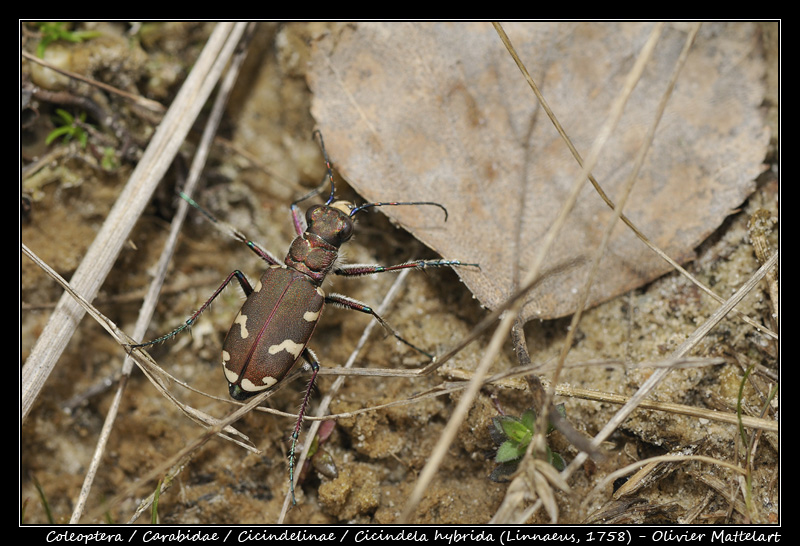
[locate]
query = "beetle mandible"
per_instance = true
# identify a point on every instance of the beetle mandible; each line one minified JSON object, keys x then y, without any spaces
{"x":271,"y":332}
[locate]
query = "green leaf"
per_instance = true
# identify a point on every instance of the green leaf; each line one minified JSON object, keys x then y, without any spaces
{"x":514,"y":429}
{"x":66,"y":116}
{"x":154,"y":506}
{"x":502,"y":473}
{"x":496,"y":431}
{"x":109,"y":160}
{"x":528,"y":419}
{"x":509,"y":451}
{"x":64,"y":131}
{"x":556,"y":460}
{"x":54,"y":31}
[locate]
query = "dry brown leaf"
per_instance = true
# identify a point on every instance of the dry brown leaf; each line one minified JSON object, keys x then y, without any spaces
{"x":439,"y":112}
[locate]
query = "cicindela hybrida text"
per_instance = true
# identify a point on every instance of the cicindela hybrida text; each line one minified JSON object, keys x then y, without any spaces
{"x":273,"y":328}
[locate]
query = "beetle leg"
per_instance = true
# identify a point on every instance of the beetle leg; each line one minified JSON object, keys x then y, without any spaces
{"x":350,"y":303}
{"x":246,"y":288}
{"x":311,"y":358}
{"x":264,"y":254}
{"x":355,"y":270}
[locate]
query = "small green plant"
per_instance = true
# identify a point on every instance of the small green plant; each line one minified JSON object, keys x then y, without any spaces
{"x":109,"y":159}
{"x":59,"y":30}
{"x":154,"y":510}
{"x":43,"y":499}
{"x":69,"y":128}
{"x":512,"y":435}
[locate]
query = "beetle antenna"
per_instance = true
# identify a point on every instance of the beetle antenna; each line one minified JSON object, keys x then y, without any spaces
{"x":328,"y":175}
{"x":368,"y":205}
{"x":358,"y":209}
{"x":318,"y":134}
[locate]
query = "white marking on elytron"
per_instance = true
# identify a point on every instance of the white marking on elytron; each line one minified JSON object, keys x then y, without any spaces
{"x":320,"y":291}
{"x":310,"y":316}
{"x":230,"y":376}
{"x":242,"y":320}
{"x":249,"y":386}
{"x":258,"y":286}
{"x":289,"y":346}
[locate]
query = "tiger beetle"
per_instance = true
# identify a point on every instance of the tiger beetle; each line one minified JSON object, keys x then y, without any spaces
{"x":272,"y":330}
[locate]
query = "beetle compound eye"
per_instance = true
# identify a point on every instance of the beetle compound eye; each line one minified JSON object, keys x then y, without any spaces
{"x":344,"y":229}
{"x":313,"y":214}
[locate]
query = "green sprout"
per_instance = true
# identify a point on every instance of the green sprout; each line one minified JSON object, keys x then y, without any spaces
{"x":43,"y":499}
{"x":109,"y":160}
{"x":512,"y":435}
{"x":69,"y":128}
{"x":154,"y":510}
{"x":58,"y":30}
